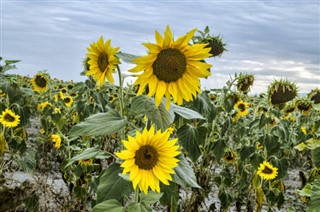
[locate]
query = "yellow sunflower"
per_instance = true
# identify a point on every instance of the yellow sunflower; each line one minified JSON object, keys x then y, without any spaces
{"x":55,"y":138}
{"x":241,"y":108}
{"x":9,"y":119}
{"x":87,"y":162}
{"x":230,"y":156}
{"x":150,"y":158}
{"x":267,"y":171}
{"x":43,"y":105}
{"x":102,"y":61}
{"x":68,"y":101}
{"x":40,"y":83}
{"x":172,"y":68}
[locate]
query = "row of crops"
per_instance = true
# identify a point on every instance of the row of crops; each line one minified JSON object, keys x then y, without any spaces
{"x":162,"y":143}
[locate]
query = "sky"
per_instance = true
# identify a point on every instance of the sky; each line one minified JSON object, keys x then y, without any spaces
{"x":271,"y":39}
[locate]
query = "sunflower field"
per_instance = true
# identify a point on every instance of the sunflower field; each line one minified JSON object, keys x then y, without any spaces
{"x":161,"y":143}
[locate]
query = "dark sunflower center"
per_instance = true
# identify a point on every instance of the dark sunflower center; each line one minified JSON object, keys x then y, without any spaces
{"x":41,"y":81}
{"x":266,"y":170}
{"x":229,"y":156}
{"x":146,"y":157}
{"x":169,"y":65}
{"x":9,"y":118}
{"x":103,"y":62}
{"x":242,"y":107}
{"x":67,"y":100}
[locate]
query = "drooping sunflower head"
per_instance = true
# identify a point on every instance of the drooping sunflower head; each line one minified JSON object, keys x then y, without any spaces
{"x":230,"y":156}
{"x":172,"y":68}
{"x":150,"y":158}
{"x":304,"y":105}
{"x":244,"y":82}
{"x":314,"y":96}
{"x":216,"y":45}
{"x":289,"y":108}
{"x":282,"y":91}
{"x":262,"y":109}
{"x":68,"y":101}
{"x":102,"y":61}
{"x":40,"y":83}
{"x":9,"y":119}
{"x":86,"y":162}
{"x":267,"y":171}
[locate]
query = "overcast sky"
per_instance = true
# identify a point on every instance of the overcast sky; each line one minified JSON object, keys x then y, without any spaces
{"x":271,"y":39}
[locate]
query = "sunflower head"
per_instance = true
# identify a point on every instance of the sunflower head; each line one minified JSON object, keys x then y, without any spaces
{"x":304,"y":105}
{"x":172,"y":68}
{"x":244,"y":82}
{"x":314,"y":96}
{"x":266,"y":171}
{"x":289,"y":108}
{"x":282,"y":91}
{"x":233,"y":96}
{"x":55,"y":138}
{"x":86,"y":162}
{"x":149,"y":158}
{"x":241,"y":107}
{"x":43,"y":105}
{"x":9,"y":119}
{"x":102,"y":61}
{"x":262,"y":109}
{"x":40,"y":83}
{"x":230,"y":156}
{"x":86,"y":66}
{"x":68,"y":101}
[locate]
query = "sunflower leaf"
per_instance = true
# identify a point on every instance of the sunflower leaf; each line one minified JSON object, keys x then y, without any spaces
{"x":128,"y":58}
{"x":111,"y":185}
{"x":185,"y":112}
{"x":99,"y":124}
{"x":110,"y":205}
{"x":191,"y":138}
{"x":159,"y":116}
{"x":184,"y":174}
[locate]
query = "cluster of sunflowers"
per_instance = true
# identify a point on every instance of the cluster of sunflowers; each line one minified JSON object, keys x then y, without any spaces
{"x":163,"y":134}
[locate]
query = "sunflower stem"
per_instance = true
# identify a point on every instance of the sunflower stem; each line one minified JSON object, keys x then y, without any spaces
{"x":120,"y":91}
{"x":136,"y":195}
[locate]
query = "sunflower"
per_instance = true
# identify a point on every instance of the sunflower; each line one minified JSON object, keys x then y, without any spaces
{"x":9,"y":118}
{"x":172,"y":68}
{"x":304,"y":130}
{"x":150,"y":158}
{"x":40,"y":83}
{"x":68,"y":101}
{"x":43,"y":105}
{"x":241,"y":108}
{"x":55,"y":138}
{"x":230,"y":156}
{"x":102,"y":61}
{"x":267,"y":171}
{"x":87,"y":162}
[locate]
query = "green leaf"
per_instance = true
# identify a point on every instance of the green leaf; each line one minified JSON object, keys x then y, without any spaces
{"x":184,"y":174}
{"x":218,"y":149}
{"x":110,"y":205}
{"x":301,"y":147}
{"x":316,"y":157}
{"x":99,"y":124}
{"x":315,"y":197}
{"x":185,"y":112}
{"x":313,"y":143}
{"x":191,"y":138}
{"x":306,"y":191}
{"x":111,"y":185}
{"x":159,"y":116}
{"x":150,"y":198}
{"x":93,"y":152}
{"x":128,"y":58}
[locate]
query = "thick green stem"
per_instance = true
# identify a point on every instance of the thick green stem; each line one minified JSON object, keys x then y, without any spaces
{"x":136,"y":195}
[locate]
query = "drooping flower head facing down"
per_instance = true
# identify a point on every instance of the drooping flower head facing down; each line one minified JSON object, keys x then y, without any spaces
{"x":102,"y":61}
{"x":149,"y":158}
{"x":172,"y":68}
{"x":40,"y":83}
{"x":9,"y":119}
{"x":267,"y":171}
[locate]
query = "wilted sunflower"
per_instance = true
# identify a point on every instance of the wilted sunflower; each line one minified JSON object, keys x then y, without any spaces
{"x":304,"y":105}
{"x":55,"y":138}
{"x":314,"y":95}
{"x":244,"y":82}
{"x":102,"y":61}
{"x":172,"y":68}
{"x":267,"y":171}
{"x":230,"y":156}
{"x":86,"y":162}
{"x":9,"y":119}
{"x":68,"y":101}
{"x":40,"y":83}
{"x":282,"y":91}
{"x":150,"y":158}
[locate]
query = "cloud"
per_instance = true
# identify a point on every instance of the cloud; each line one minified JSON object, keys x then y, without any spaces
{"x":269,"y":39}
